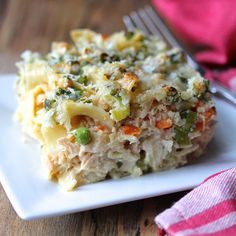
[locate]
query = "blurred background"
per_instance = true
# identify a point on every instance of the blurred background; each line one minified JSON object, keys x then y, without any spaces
{"x":34,"y":24}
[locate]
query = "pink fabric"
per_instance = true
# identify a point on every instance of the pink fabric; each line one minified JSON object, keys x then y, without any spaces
{"x":211,"y":26}
{"x":209,"y":209}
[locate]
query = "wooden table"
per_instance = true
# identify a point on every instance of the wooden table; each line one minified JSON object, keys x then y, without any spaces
{"x":33,"y":24}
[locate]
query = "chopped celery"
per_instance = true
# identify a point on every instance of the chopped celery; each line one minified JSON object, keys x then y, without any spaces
{"x":118,"y":111}
{"x":121,"y":112}
{"x":190,"y":120}
{"x":111,"y":100}
{"x":181,"y":136}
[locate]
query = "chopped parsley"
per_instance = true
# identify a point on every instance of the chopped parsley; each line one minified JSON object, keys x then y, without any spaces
{"x":48,"y":104}
{"x":82,"y":79}
{"x":76,"y":95}
{"x":129,"y":35}
{"x":181,"y":133}
{"x":113,"y":92}
{"x":119,"y":164}
{"x":86,"y":100}
{"x":183,"y":79}
{"x":69,"y":94}
{"x":176,"y":57}
{"x":104,"y":57}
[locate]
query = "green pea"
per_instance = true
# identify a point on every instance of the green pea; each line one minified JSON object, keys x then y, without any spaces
{"x":82,"y":135}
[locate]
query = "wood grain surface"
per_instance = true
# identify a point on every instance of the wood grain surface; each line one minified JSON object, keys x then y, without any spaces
{"x":33,"y":24}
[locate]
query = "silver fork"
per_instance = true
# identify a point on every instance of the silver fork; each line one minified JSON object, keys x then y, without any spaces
{"x":148,"y":21}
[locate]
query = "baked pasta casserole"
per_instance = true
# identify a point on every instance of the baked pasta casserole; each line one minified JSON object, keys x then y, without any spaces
{"x":113,"y":106}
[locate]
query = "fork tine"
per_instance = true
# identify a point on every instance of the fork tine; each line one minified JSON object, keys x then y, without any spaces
{"x":169,"y":38}
{"x":138,"y":22}
{"x":128,"y":23}
{"x":157,"y":21}
{"x":148,"y":22}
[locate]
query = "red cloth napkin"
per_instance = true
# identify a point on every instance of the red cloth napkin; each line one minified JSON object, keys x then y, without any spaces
{"x":209,"y":209}
{"x":211,"y":26}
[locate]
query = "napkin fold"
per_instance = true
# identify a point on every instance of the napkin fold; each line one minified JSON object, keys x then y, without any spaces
{"x":209,"y":209}
{"x":211,"y":27}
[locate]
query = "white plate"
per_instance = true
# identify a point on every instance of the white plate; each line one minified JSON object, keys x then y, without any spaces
{"x":33,"y":196}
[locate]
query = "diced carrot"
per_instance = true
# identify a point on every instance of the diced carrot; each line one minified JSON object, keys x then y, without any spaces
{"x":129,"y":81}
{"x":60,"y":46}
{"x":131,"y":130}
{"x":64,"y":84}
{"x":199,"y":126}
{"x":210,"y":113}
{"x":77,"y":120}
{"x":102,"y":128}
{"x":105,"y":36}
{"x":199,"y":103}
{"x":69,"y":83}
{"x":164,"y":124}
{"x":106,"y":77}
{"x":87,"y":50}
{"x":71,"y":138}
